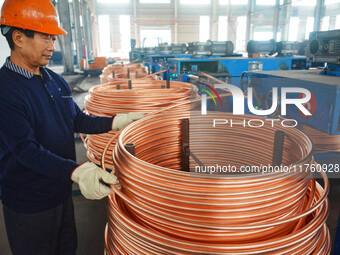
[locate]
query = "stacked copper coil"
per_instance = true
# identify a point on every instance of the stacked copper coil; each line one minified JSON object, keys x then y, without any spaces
{"x":163,"y":210}
{"x":144,"y":96}
{"x":123,"y":71}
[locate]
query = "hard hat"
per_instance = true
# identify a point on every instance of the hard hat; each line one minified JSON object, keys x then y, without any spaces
{"x":40,"y":16}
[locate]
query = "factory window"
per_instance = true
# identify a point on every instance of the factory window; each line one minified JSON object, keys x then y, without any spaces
{"x":303,"y":2}
{"x":278,"y":36}
{"x":239,"y":2}
{"x":125,"y":34}
{"x":265,"y":2}
{"x":309,"y":26}
{"x":204,"y":28}
{"x":327,"y":2}
{"x":293,"y":29}
{"x":325,"y":23}
{"x":337,"y":22}
{"x":222,"y":28}
{"x":195,"y":2}
{"x":241,"y":25}
{"x":263,"y":36}
{"x":114,"y":1}
{"x":154,"y":1}
{"x":104,"y":34}
{"x":153,"y":37}
{"x":233,"y":2}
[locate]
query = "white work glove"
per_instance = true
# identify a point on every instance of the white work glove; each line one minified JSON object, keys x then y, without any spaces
{"x":121,"y":120}
{"x":92,"y":179}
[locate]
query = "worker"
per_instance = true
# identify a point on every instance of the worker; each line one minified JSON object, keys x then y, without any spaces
{"x":38,"y":118}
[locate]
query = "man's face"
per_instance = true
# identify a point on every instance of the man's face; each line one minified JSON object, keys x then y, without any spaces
{"x":39,"y":49}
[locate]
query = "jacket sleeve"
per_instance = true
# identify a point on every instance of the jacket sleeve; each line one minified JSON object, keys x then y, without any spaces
{"x":17,"y":134}
{"x":84,"y":123}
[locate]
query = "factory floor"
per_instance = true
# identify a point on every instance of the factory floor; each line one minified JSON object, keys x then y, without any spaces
{"x":91,"y":215}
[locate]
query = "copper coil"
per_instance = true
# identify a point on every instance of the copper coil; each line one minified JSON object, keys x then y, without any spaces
{"x":121,"y":72}
{"x":145,"y":96}
{"x":323,"y":142}
{"x":162,"y":210}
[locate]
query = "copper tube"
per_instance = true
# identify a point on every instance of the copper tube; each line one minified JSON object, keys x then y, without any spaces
{"x":323,"y":142}
{"x":153,"y":74}
{"x":145,"y":96}
{"x":161,"y":210}
{"x":121,"y":71}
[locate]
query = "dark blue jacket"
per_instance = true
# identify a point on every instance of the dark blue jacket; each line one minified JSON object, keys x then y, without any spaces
{"x":38,"y":118}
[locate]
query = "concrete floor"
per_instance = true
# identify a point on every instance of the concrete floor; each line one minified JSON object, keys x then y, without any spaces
{"x":91,"y":215}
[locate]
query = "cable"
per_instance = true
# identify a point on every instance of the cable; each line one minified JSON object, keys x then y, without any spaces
{"x":162,"y":210}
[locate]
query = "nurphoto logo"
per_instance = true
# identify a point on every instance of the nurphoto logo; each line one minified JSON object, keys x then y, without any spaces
{"x":238,"y":100}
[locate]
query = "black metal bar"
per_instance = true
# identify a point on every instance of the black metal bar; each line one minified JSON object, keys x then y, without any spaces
{"x":278,"y":148}
{"x":130,"y":84}
{"x":118,"y":86}
{"x":163,"y":86}
{"x":185,"y":145}
{"x":130,"y":147}
{"x":128,"y":74}
{"x":199,"y":162}
{"x":113,"y":74}
{"x":168,"y":84}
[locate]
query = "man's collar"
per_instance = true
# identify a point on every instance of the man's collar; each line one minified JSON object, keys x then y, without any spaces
{"x":24,"y":72}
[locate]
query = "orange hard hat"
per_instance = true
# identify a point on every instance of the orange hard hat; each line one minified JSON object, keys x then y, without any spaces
{"x":40,"y":16}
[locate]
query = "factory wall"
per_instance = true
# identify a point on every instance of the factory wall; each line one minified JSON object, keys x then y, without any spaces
{"x":163,"y":16}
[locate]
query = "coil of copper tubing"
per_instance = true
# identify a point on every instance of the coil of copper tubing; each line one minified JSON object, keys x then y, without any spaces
{"x":144,"y":96}
{"x":323,"y":142}
{"x":134,"y":70}
{"x":163,"y":210}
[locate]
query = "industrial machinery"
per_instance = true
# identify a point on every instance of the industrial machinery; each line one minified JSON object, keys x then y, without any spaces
{"x":325,"y":100}
{"x":211,"y":48}
{"x":154,"y":57}
{"x":180,"y":69}
{"x":159,"y":62}
{"x":165,"y":49}
{"x":323,"y":126}
{"x":179,"y":48}
{"x":324,"y":86}
{"x":199,"y":48}
{"x":324,"y":47}
{"x":271,"y":47}
{"x":262,"y":47}
{"x":93,"y":67}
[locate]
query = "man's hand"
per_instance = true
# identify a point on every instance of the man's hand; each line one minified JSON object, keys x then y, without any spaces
{"x":121,"y":120}
{"x":93,"y":181}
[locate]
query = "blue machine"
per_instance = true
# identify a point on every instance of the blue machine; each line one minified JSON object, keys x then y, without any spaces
{"x":140,"y":55}
{"x":180,"y":69}
{"x":158,"y":62}
{"x":325,"y":102}
{"x":324,"y":85}
{"x":230,"y":69}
